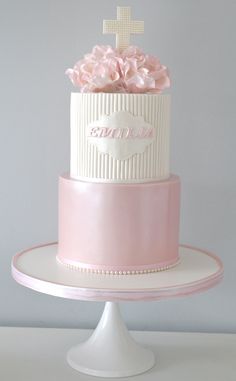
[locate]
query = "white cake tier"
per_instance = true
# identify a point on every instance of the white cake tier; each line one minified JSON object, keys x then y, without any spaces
{"x":121,"y":138}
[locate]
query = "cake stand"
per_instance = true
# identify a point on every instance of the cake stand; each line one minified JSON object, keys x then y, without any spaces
{"x":111,"y":351}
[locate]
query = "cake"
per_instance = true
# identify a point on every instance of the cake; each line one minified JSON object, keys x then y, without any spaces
{"x":119,"y":206}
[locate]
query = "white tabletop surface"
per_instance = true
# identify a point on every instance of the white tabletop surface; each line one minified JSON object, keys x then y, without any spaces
{"x":36,"y":354}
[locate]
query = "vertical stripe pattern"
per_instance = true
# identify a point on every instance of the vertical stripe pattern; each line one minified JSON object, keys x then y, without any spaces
{"x":87,"y":163}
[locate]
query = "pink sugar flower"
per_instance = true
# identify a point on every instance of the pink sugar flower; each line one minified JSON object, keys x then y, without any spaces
{"x":107,"y":70}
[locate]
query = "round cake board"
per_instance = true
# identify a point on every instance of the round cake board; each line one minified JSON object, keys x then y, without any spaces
{"x":38,"y":269}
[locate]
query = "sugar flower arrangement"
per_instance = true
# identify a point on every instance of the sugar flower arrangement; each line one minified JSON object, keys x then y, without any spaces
{"x":111,"y":70}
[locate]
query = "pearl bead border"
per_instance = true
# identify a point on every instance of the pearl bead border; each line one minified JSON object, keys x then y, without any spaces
{"x":117,"y":272}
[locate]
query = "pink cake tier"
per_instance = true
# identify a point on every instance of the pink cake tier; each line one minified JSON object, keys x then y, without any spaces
{"x":119,"y":228}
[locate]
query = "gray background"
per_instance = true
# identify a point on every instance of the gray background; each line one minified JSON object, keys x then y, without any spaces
{"x":39,"y":40}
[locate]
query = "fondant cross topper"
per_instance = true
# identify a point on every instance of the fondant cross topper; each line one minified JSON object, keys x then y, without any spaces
{"x":123,"y":27}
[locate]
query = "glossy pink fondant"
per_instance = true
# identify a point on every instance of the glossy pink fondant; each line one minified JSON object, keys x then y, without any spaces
{"x":119,"y":226}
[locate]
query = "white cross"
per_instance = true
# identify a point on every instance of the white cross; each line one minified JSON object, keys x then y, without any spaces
{"x":123,"y":27}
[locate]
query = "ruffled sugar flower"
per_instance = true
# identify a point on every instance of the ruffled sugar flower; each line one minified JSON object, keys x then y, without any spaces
{"x":143,"y":73}
{"x":98,"y":71}
{"x":108,"y":70}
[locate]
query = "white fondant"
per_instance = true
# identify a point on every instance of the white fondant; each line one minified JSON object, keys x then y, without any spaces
{"x":125,"y":134}
{"x":89,"y":163}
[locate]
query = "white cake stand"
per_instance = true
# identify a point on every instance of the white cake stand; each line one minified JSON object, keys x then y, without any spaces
{"x":111,"y":351}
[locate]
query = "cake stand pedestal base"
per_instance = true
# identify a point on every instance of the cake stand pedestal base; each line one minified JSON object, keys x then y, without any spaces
{"x":111,"y":351}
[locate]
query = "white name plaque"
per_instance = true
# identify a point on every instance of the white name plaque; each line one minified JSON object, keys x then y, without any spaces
{"x":121,"y":134}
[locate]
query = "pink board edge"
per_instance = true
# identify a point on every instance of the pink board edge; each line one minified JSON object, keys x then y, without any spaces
{"x":95,"y":294}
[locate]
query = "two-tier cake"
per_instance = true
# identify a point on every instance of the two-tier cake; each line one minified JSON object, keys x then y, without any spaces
{"x":119,"y":206}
